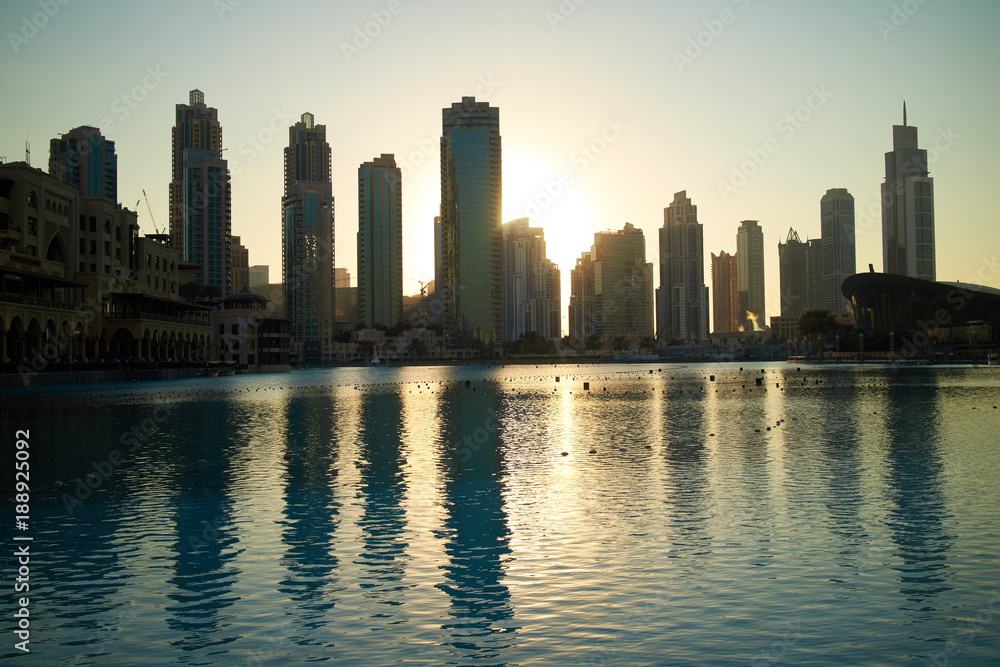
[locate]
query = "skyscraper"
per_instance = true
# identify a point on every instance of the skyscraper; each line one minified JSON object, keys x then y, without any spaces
{"x":531,"y":283}
{"x":380,"y":242}
{"x":84,"y":158}
{"x":750,"y":273}
{"x":682,"y":298}
{"x":200,"y":197}
{"x":726,"y":317}
{"x":794,"y":276}
{"x":610,"y":289}
{"x":471,"y":261}
{"x":241,"y":266}
{"x":907,"y":208}
{"x":837,"y":224}
{"x":307,"y":252}
{"x":582,"y":323}
{"x":206,"y":217}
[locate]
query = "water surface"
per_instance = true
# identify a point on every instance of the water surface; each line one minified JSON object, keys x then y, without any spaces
{"x":831,"y":515}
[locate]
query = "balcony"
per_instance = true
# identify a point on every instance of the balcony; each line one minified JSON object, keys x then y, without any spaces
{"x":10,"y":297}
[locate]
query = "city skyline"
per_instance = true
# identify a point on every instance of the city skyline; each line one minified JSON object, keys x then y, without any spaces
{"x":575,"y":162}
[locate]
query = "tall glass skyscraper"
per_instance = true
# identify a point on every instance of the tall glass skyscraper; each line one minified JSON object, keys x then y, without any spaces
{"x":837,"y":228}
{"x":750,"y":273}
{"x":206,"y":216}
{"x":682,"y":298}
{"x":200,"y":199}
{"x":470,"y":263}
{"x":908,"y":208}
{"x":84,"y":158}
{"x":307,"y":251}
{"x":380,"y":242}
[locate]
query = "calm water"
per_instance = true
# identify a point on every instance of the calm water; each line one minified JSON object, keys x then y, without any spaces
{"x":396,"y":516}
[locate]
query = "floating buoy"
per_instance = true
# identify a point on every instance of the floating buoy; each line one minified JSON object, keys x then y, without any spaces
{"x":593,"y":451}
{"x":89,"y":475}
{"x":288,"y":457}
{"x":57,"y":483}
{"x":202,"y":462}
{"x":565,"y":453}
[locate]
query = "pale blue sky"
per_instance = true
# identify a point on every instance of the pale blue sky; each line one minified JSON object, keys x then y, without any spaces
{"x":608,"y":69}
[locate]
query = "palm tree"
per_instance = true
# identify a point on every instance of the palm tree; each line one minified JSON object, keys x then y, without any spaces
{"x":818,"y":324}
{"x":417,"y":348}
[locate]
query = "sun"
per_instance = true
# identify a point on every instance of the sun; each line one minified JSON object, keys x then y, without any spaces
{"x":552,"y":196}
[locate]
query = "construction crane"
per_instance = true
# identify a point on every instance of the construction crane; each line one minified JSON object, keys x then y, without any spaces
{"x":150,"y":209}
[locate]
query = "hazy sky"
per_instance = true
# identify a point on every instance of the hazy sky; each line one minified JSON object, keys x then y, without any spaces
{"x":627,"y":102}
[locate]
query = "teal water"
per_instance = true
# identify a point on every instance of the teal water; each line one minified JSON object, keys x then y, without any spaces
{"x":396,"y":516}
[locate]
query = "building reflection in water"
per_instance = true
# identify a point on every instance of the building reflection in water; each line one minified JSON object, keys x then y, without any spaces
{"x":311,"y":513}
{"x":917,"y":514}
{"x":687,"y":483}
{"x":204,"y":570}
{"x":841,"y":468}
{"x":382,"y":487}
{"x":475,"y":528}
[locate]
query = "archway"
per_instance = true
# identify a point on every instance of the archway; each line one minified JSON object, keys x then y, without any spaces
{"x":122,"y":345}
{"x":56,"y":251}
{"x":3,"y":341}
{"x":32,"y":340}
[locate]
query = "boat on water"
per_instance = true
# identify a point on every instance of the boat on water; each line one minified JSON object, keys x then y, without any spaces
{"x":208,"y":372}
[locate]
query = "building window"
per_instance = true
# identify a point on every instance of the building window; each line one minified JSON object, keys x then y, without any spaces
{"x":222,"y":329}
{"x":250,"y":344}
{"x":93,"y":247}
{"x":32,"y":226}
{"x":235,"y":328}
{"x":236,"y":346}
{"x":251,"y":360}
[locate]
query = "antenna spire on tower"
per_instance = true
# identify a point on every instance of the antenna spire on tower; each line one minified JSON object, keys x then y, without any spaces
{"x":904,"y":113}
